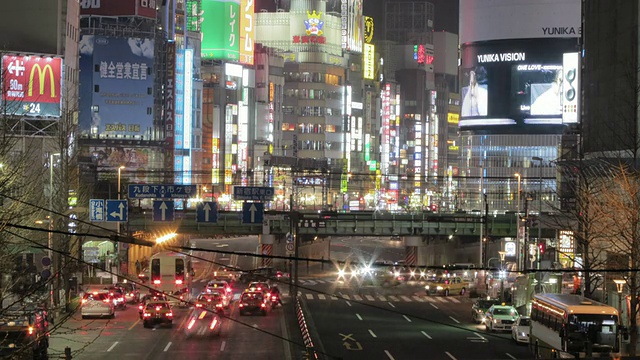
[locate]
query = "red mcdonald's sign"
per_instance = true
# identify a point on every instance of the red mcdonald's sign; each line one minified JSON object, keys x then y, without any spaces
{"x":33,"y":81}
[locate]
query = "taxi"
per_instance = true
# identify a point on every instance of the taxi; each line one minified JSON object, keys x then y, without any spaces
{"x":500,"y":317}
{"x":220,"y":285}
{"x":97,"y":304}
{"x":212,"y":301}
{"x":157,"y":312}
{"x":149,"y":298}
{"x":264,"y":287}
{"x":253,"y":302}
{"x":445,"y":285}
{"x":480,"y":307}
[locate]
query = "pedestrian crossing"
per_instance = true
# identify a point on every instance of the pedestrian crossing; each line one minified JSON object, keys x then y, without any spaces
{"x":386,"y":298}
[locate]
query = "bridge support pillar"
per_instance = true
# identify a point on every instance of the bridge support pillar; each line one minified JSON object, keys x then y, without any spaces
{"x":266,"y":248}
{"x":411,"y":244}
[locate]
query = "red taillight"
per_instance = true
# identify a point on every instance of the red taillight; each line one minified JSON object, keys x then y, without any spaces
{"x":157,"y":282}
{"x":140,"y":307}
{"x":181,"y":297}
{"x":208,"y":300}
{"x":30,"y":330}
{"x":146,"y":314}
{"x":263,"y":305}
{"x":130,"y":294}
{"x":219,"y":305}
{"x":198,"y":305}
{"x":241,"y":305}
{"x":169,"y":314}
{"x":213,"y":323}
{"x":193,"y":321}
{"x":259,"y":289}
{"x":106,"y":300}
{"x":178,"y":282}
{"x":158,"y":308}
{"x":273,"y":298}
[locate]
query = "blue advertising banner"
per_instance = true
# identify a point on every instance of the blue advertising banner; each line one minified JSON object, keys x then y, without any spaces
{"x":116,"y":85}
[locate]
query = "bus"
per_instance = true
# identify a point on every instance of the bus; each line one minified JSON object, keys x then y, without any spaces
{"x":566,"y":325}
{"x":171,"y":273}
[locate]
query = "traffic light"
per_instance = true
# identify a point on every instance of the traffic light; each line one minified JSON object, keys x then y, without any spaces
{"x":541,"y":248}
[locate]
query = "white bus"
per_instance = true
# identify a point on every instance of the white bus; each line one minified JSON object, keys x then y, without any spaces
{"x":563,"y":325}
{"x":171,"y":273}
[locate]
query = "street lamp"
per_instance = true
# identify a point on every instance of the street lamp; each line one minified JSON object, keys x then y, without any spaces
{"x":50,"y":234}
{"x":119,"y":174}
{"x":536,"y":158}
{"x":502,"y":255}
{"x":619,"y":287}
{"x":519,"y":246}
{"x":117,"y":253}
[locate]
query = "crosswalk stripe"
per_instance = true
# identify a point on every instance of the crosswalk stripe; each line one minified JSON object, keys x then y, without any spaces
{"x":357,"y":297}
{"x":455,"y":300}
{"x":333,"y":297}
{"x":441,"y":299}
{"x":404,"y":298}
{"x":370,"y":298}
{"x":393,"y":298}
{"x":382,"y":298}
{"x":320,"y":281}
{"x":430,"y":299}
{"x":346,"y":297}
{"x":417,"y":298}
{"x":310,"y":282}
{"x":309,"y":296}
{"x":321,"y":297}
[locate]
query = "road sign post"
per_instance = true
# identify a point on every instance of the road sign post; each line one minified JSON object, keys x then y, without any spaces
{"x":117,"y":210}
{"x":96,"y":210}
{"x":252,"y":213}
{"x":255,"y":193}
{"x":207,"y":212}
{"x":163,"y":210}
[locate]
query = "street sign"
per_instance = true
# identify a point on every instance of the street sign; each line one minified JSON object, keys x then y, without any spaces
{"x":163,"y":210}
{"x":117,"y":210}
{"x":96,"y":210}
{"x":290,"y":247}
{"x":252,"y":213}
{"x":207,"y":212}
{"x":91,"y":254}
{"x":159,"y":191}
{"x":255,"y":193}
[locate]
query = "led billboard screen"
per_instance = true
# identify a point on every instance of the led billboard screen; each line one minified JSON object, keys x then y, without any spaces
{"x":116,"y":83}
{"x":220,"y":29}
{"x":513,"y":83}
{"x":31,"y":85}
{"x":247,"y":31}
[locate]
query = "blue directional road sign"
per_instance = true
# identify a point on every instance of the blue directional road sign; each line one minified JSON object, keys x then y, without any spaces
{"x":96,"y":210}
{"x":252,"y":213}
{"x":207,"y":212}
{"x":255,"y":193}
{"x":161,"y":191}
{"x":117,"y":210}
{"x":163,"y":210}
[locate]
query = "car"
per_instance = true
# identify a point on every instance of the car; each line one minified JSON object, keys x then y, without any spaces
{"x":97,"y":304}
{"x":261,"y":274}
{"x":203,"y":323}
{"x":480,"y":307}
{"x":500,"y":317}
{"x":446,"y":285}
{"x":520,"y":330}
{"x":227,"y":273}
{"x":24,"y":332}
{"x":222,"y":285}
{"x":119,"y":300}
{"x":131,"y":292}
{"x":252,"y":302}
{"x":261,"y":286}
{"x":212,"y":301}
{"x":157,"y":312}
{"x":180,"y":298}
{"x":154,"y":296}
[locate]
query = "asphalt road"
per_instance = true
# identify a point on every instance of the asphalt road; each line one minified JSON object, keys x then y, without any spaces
{"x":242,"y":337}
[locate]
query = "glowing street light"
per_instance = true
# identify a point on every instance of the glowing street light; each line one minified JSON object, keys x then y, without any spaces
{"x":165,"y":238}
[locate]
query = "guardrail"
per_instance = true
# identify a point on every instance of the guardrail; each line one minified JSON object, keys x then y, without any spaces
{"x":304,"y":329}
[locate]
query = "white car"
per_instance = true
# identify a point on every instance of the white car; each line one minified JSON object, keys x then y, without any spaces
{"x":520,"y":330}
{"x":97,"y":304}
{"x":500,"y":317}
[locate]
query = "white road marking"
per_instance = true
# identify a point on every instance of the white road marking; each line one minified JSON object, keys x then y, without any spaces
{"x":393,"y":298}
{"x":427,"y":335}
{"x":449,"y":355}
{"x":167,"y":347}
{"x":441,"y":299}
{"x":370,"y":298}
{"x":390,"y":304}
{"x":434,"y":305}
{"x":358,"y":316}
{"x":389,"y":355}
{"x":406,"y":318}
{"x":357,"y":297}
{"x":451,"y":317}
{"x":382,"y":298}
{"x":321,"y":297}
{"x":429,"y":299}
{"x":334,"y":297}
{"x":417,"y":298}
{"x":309,"y":296}
{"x":320,"y":281}
{"x":372,"y":333}
{"x":346,"y":297}
{"x":348,"y":303}
{"x":455,"y":300}
{"x":112,"y":346}
{"x":224,"y":343}
{"x":511,"y":356}
{"x":405,"y":298}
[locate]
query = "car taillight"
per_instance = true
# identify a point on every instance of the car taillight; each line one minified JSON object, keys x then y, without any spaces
{"x":268,"y":294}
{"x":106,"y":300}
{"x":208,"y":300}
{"x":219,"y":305}
{"x":178,"y":282}
{"x":181,"y":297}
{"x":169,"y":314}
{"x":273,"y":298}
{"x":263,"y":305}
{"x":241,"y":305}
{"x":146,"y":314}
{"x":228,"y":290}
{"x":156,"y":282}
{"x":158,"y":308}
{"x":30,"y":330}
{"x":259,"y":289}
{"x":213,"y":323}
{"x":130,"y":294}
{"x":140,"y":307}
{"x":191,"y":323}
{"x":198,"y":305}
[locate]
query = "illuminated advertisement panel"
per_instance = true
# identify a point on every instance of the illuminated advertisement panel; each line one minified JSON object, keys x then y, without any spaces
{"x":137,"y":160}
{"x":570,"y":87}
{"x":221,"y":30}
{"x":116,"y":83}
{"x":514,"y":84}
{"x":178,"y":134}
{"x":247,"y":31}
{"x":144,"y":8}
{"x":369,"y":60}
{"x":169,"y":98}
{"x":368,"y":29}
{"x":355,"y":37}
{"x":188,"y":97}
{"x":32,"y":85}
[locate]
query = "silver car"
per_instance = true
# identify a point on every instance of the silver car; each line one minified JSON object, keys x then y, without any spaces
{"x":520,"y":330}
{"x":97,"y":304}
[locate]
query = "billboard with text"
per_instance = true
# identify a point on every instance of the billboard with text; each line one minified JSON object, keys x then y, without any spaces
{"x":220,"y":30}
{"x":31,"y":85}
{"x":247,"y":31}
{"x":116,"y":85}
{"x":144,"y":8}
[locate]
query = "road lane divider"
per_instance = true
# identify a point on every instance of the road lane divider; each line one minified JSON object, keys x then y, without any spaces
{"x":167,"y":347}
{"x":434,"y":305}
{"x":223,"y":345}
{"x":452,"y":318}
{"x":511,"y":356}
{"x":348,"y":303}
{"x":389,"y":355}
{"x":134,"y":324}
{"x":406,"y":318}
{"x":450,"y":356}
{"x":359,"y":317}
{"x":393,"y":306}
{"x":372,"y":333}
{"x":426,"y":335}
{"x":112,"y":346}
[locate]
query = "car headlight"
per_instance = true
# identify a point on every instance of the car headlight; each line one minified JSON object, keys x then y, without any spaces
{"x":439,"y":288}
{"x":523,"y":334}
{"x":426,"y":287}
{"x":495,"y":321}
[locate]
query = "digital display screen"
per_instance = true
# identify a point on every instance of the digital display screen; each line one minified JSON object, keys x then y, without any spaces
{"x":515,"y":85}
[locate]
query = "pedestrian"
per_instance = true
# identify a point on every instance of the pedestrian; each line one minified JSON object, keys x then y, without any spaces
{"x":138,"y":268}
